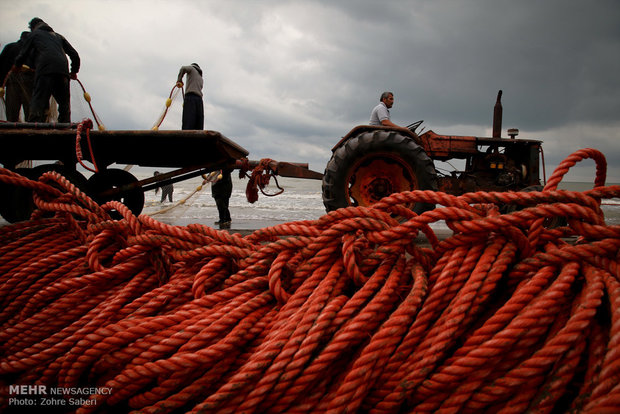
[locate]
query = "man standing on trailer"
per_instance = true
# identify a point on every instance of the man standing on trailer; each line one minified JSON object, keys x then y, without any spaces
{"x":193,"y":107}
{"x":49,"y":51}
{"x":19,"y":83}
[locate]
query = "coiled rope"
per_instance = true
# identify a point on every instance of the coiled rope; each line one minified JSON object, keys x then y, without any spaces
{"x":348,"y":313}
{"x":258,"y":179}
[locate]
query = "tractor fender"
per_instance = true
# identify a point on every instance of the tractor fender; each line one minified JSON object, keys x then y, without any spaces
{"x":365,"y":128}
{"x":374,"y":163}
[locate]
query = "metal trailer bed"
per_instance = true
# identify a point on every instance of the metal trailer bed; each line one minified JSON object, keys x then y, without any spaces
{"x":189,"y":153}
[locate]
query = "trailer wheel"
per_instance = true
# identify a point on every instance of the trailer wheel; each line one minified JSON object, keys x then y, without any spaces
{"x":17,"y":204}
{"x":112,"y":178}
{"x":74,"y":176}
{"x":373,"y":165}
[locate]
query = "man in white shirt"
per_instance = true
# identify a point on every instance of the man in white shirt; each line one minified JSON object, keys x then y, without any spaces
{"x":380,"y":114}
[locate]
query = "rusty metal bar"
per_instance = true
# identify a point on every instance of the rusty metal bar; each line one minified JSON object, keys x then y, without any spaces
{"x":285,"y":169}
{"x":281,"y":168}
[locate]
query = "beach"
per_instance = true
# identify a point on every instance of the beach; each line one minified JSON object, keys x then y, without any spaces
{"x":301,"y":200}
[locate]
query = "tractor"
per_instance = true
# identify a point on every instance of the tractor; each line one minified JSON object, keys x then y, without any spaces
{"x":372,"y":162}
{"x":369,"y":163}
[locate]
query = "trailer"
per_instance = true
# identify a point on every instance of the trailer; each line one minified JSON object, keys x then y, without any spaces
{"x":190,"y":153}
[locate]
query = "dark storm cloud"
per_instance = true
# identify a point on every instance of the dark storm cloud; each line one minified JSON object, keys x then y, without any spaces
{"x":557,"y":61}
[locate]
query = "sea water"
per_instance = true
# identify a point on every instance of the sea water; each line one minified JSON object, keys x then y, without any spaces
{"x":301,"y":200}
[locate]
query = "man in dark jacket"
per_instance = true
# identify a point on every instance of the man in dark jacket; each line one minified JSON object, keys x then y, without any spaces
{"x":19,"y":83}
{"x":221,"y":190}
{"x":166,"y":190}
{"x":51,"y":78}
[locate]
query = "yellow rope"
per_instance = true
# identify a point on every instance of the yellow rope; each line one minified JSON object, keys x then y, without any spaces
{"x":173,"y":94}
{"x":208,"y":178}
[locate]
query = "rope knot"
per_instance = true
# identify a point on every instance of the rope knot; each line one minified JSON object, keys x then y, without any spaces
{"x":86,"y":123}
{"x":259,"y":179}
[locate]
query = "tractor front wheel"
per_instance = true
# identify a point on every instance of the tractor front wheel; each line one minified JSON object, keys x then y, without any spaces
{"x":373,"y":165}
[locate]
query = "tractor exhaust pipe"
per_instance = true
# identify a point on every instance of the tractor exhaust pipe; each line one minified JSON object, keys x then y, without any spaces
{"x":497,"y":116}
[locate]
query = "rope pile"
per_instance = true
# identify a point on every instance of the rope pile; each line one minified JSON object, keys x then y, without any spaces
{"x":348,"y":313}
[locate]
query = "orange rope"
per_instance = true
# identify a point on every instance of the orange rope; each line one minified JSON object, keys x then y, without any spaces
{"x":259,"y":179}
{"x":88,"y":124}
{"x":349,"y":312}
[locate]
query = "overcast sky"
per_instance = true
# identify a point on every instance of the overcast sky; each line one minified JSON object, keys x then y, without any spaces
{"x":287,"y":79}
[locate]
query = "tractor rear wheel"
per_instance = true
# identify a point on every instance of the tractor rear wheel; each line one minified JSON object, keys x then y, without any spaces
{"x":373,"y":165}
